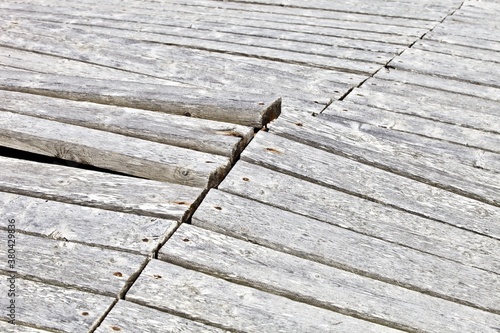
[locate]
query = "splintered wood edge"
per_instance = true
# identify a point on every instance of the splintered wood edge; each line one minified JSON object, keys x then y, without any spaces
{"x":271,"y":113}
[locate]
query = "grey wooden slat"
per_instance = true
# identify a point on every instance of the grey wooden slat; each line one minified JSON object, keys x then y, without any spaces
{"x":67,"y":264}
{"x":462,"y":110}
{"x":283,"y":51}
{"x":192,"y":133}
{"x":9,"y":328}
{"x":442,"y":84}
{"x":128,"y":317}
{"x":472,"y":41}
{"x":317,"y":284}
{"x":336,"y":246}
{"x":457,"y":50}
{"x":414,"y":124}
{"x":96,"y":189}
{"x":232,"y":306}
{"x":56,"y":308}
{"x":449,"y":66}
{"x":363,"y":180}
{"x":44,"y":63}
{"x":112,"y":151}
{"x":459,"y":29}
{"x":405,"y":154}
{"x":103,"y":228}
{"x":239,"y":108}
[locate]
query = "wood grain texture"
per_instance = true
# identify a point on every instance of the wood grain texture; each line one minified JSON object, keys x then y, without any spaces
{"x":67,"y":264}
{"x":112,"y":151}
{"x":128,"y":317}
{"x":244,"y":109}
{"x":75,"y":223}
{"x":9,"y":328}
{"x":96,"y":189}
{"x":471,"y":41}
{"x":232,"y":306}
{"x":409,"y":123}
{"x":335,"y":246}
{"x":310,"y":282}
{"x":428,"y":103}
{"x":457,"y":50}
{"x":192,"y":133}
{"x":55,"y":308}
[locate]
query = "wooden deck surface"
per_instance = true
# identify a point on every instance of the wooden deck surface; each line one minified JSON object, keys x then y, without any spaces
{"x":250,"y":165}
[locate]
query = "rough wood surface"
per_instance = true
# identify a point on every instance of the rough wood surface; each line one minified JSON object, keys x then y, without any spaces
{"x":457,"y":50}
{"x":232,"y":306}
{"x":128,"y":317}
{"x":96,"y":189}
{"x":409,"y":123}
{"x":74,"y":223}
{"x":472,"y":41}
{"x":244,"y":109}
{"x":9,"y":328}
{"x":329,"y":244}
{"x":192,"y":133}
{"x":112,"y":151}
{"x":55,"y":308}
{"x":428,"y":103}
{"x":67,"y":264}
{"x":317,"y":284}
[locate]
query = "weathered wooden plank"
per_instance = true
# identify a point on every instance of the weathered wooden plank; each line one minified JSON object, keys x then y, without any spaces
{"x":336,"y":246}
{"x":192,"y":133}
{"x":460,"y":29}
{"x":74,"y":223}
{"x":428,"y":103}
{"x":471,"y":41}
{"x":449,"y":66}
{"x":443,"y":85}
{"x":96,"y":189}
{"x":317,"y":284}
{"x":294,"y":194}
{"x":239,"y":108}
{"x":413,"y":124}
{"x":9,"y":328}
{"x":55,"y":308}
{"x":232,"y":306}
{"x":128,"y":317}
{"x":457,"y":50}
{"x":220,"y":71}
{"x":112,"y":151}
{"x":67,"y":264}
{"x":343,"y":134}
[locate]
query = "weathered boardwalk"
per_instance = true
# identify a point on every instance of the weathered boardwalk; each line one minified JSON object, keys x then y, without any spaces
{"x":250,"y":166}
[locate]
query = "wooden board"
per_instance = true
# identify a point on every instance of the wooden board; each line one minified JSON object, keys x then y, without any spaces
{"x":244,"y":109}
{"x":413,"y":124}
{"x":457,"y":50}
{"x":471,"y":41}
{"x":192,"y":133}
{"x":96,"y":189}
{"x":136,"y":157}
{"x":336,"y":246}
{"x":9,"y":328}
{"x":349,"y":211}
{"x":128,"y":317}
{"x":306,"y":281}
{"x":87,"y":225}
{"x":428,"y":103}
{"x":55,"y":308}
{"x":394,"y":151}
{"x":67,"y":264}
{"x":232,"y":306}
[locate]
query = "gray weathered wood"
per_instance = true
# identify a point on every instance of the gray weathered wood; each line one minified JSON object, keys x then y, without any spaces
{"x":192,"y":133}
{"x":449,"y":66}
{"x":336,"y":246}
{"x":434,"y":161}
{"x":471,"y":41}
{"x":245,"y":109}
{"x":460,"y":29}
{"x":337,"y":207}
{"x":320,"y":285}
{"x":428,"y":103}
{"x":457,"y":50}
{"x":97,"y":227}
{"x":414,"y":124}
{"x":233,"y":306}
{"x":97,"y":189}
{"x":67,"y":264}
{"x":112,"y":151}
{"x":9,"y":328}
{"x":55,"y":308}
{"x":128,"y":317}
